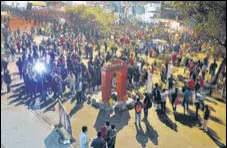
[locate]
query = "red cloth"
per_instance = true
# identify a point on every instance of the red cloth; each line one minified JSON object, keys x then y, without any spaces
{"x":191,"y":66}
{"x":122,"y":40}
{"x":140,"y":34}
{"x":201,"y":81}
{"x":104,"y":132}
{"x":131,"y":61}
{"x":93,"y":43}
{"x":61,"y":40}
{"x":174,"y":57}
{"x":128,"y":41}
{"x":191,"y":84}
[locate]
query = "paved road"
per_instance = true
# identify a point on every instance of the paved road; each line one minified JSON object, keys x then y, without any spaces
{"x":21,"y":128}
{"x":19,"y":124}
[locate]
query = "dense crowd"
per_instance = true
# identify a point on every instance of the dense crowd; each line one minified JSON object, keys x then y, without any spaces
{"x":64,"y":51}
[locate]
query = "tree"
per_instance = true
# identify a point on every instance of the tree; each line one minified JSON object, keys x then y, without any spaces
{"x":208,"y":18}
{"x":91,"y":19}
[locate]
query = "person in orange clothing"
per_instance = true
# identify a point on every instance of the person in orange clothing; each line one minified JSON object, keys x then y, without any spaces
{"x":131,"y":60}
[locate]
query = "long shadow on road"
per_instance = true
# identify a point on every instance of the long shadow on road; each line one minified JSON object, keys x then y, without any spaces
{"x":213,"y":135}
{"x":141,"y":137}
{"x":151,"y":133}
{"x":120,"y":119}
{"x":75,"y":109}
{"x":187,"y":120}
{"x":167,"y":121}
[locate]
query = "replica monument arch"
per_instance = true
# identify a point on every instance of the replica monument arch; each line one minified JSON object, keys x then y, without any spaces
{"x":119,"y":68}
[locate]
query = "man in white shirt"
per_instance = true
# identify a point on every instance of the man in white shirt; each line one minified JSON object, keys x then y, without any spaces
{"x":71,"y":80}
{"x":164,"y":94}
{"x":83,"y":138}
{"x":79,"y":91}
{"x":149,"y":81}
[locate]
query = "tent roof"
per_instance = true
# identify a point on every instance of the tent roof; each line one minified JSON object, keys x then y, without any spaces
{"x":38,"y":3}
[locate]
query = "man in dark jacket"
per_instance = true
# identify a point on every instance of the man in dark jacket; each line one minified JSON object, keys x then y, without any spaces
{"x":8,"y":81}
{"x":98,"y":142}
{"x":19,"y":65}
{"x":106,"y":46}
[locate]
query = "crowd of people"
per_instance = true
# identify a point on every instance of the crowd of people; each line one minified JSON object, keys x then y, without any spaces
{"x":63,"y":54}
{"x":106,"y":137}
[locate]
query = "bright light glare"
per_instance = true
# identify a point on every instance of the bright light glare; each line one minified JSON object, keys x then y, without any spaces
{"x":40,"y":67}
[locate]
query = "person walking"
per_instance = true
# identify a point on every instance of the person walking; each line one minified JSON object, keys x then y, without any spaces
{"x":138,"y":109}
{"x":84,"y":138}
{"x":98,"y":142}
{"x":206,"y":117}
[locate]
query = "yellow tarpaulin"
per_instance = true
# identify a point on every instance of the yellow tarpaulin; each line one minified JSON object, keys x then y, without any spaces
{"x":38,"y":3}
{"x":4,"y":13}
{"x":160,"y":41}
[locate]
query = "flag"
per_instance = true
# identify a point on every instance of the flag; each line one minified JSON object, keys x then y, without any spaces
{"x":64,"y":119}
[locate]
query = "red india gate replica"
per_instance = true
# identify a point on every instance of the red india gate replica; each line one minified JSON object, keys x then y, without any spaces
{"x":119,"y":68}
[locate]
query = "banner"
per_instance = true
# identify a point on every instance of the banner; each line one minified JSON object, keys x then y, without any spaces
{"x":64,"y":119}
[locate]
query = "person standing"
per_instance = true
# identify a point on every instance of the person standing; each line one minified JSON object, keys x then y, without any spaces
{"x":206,"y":117}
{"x":19,"y":65}
{"x":105,"y":131}
{"x":8,"y":80}
{"x":146,"y":106}
{"x":157,"y":96}
{"x":213,"y":68}
{"x":79,"y":91}
{"x":138,"y":109}
{"x":112,"y":138}
{"x":163,"y":100}
{"x":173,"y":99}
{"x":149,"y":81}
{"x":72,"y":82}
{"x":106,"y":46}
{"x":170,"y":82}
{"x":84,"y":138}
{"x":187,"y":94}
{"x":98,"y":142}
